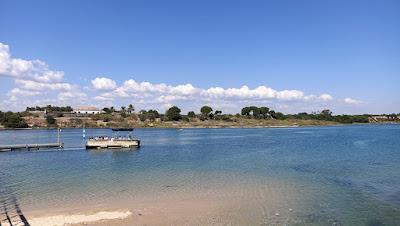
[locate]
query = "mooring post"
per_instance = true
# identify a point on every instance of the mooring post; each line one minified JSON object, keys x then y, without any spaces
{"x":58,"y":137}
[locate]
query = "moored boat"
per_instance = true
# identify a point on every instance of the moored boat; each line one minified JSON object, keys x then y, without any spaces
{"x":122,"y":129}
{"x":101,"y":142}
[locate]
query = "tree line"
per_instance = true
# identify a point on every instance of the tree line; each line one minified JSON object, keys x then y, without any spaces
{"x":12,"y":120}
{"x":326,"y":115}
{"x":174,"y":113}
{"x":207,"y":113}
{"x":50,"y":108}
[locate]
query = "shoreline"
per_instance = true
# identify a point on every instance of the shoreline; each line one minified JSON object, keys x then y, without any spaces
{"x":80,"y":218}
{"x":188,"y":126}
{"x":182,"y":204}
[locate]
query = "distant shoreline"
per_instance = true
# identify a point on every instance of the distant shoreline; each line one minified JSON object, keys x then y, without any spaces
{"x":216,"y":126}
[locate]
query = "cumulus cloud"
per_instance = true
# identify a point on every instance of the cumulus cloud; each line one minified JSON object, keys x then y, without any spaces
{"x":349,"y":100}
{"x":33,"y":70}
{"x":17,"y":93}
{"x":167,"y":94}
{"x":40,"y":86}
{"x":77,"y":96}
{"x":35,"y":82}
{"x":101,"y":83}
{"x":326,"y":97}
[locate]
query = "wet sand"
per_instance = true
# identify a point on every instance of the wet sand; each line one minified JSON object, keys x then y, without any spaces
{"x":234,"y":203}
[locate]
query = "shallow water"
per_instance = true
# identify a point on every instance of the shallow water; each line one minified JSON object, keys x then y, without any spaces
{"x":343,"y":175}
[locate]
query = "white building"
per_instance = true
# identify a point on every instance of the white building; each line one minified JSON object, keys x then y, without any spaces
{"x":87,"y":110}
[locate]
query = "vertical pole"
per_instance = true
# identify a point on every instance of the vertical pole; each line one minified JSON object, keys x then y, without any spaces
{"x":58,"y":137}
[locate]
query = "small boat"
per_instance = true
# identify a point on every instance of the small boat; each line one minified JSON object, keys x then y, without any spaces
{"x":122,"y":129}
{"x":101,"y":142}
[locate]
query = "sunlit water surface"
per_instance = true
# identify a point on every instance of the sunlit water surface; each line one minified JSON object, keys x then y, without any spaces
{"x":343,"y":175}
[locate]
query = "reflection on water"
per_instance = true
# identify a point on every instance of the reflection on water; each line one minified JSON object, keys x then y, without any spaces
{"x":346,"y":175}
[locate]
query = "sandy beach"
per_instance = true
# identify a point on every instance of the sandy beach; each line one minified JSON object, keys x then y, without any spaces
{"x":233,"y":203}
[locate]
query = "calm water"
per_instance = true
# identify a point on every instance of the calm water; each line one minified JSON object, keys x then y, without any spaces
{"x":345,"y":175}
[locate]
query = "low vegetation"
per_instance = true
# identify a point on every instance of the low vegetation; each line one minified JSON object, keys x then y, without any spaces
{"x":51,"y":121}
{"x":249,"y":116}
{"x":326,"y":115}
{"x":12,"y":120}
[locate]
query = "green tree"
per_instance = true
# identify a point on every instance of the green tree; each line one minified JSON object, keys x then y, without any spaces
{"x":50,"y":120}
{"x":2,"y":117}
{"x":152,"y":114}
{"x":264,"y":111}
{"x":14,"y":120}
{"x":69,"y":109}
{"x":191,"y":114}
{"x":272,"y":113}
{"x":325,"y":114}
{"x":279,"y":116}
{"x":50,"y":108}
{"x":246,"y":111}
{"x":255,"y":111}
{"x":206,"y":110}
{"x":173,"y":113}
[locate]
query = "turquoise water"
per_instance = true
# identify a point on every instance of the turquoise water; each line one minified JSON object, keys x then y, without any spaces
{"x":343,"y":175}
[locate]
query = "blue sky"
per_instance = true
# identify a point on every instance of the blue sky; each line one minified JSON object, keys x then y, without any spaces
{"x":349,"y":50}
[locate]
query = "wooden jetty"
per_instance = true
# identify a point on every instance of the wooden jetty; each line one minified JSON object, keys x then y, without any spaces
{"x":13,"y":147}
{"x":28,"y":147}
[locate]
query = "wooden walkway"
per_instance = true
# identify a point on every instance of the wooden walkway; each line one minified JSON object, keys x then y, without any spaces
{"x":28,"y":147}
{"x":11,"y":213}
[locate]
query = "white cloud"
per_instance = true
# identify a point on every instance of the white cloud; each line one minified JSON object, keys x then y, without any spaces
{"x":39,"y":86}
{"x":101,"y":83}
{"x":184,"y":90}
{"x":290,"y":95}
{"x":33,"y":70}
{"x":36,"y":83}
{"x":325,"y":97}
{"x":170,"y":98}
{"x":102,"y":98}
{"x":16,"y":93}
{"x":76,"y":96}
{"x":19,"y":92}
{"x":349,"y":100}
{"x":189,"y":95}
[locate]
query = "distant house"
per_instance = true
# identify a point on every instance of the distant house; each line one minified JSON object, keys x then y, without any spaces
{"x":88,"y":110}
{"x":377,"y":118}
